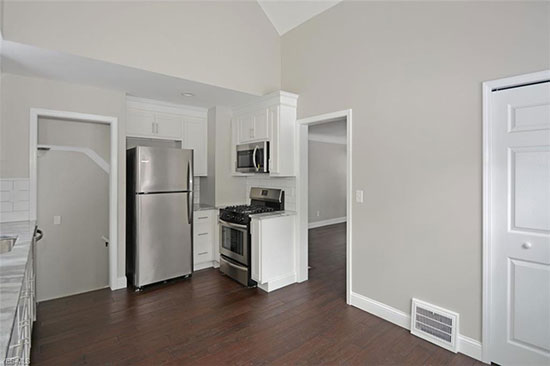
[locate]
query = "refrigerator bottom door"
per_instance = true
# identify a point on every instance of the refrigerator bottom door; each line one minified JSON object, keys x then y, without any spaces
{"x":164,"y":238}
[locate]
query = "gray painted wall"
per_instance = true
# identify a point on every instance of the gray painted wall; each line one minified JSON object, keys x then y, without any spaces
{"x":221,"y":188}
{"x":412,"y":73}
{"x":20,"y":93}
{"x":327,"y":181}
{"x":229,"y":189}
{"x":223,"y":43}
{"x":72,"y":257}
{"x":208,"y":184}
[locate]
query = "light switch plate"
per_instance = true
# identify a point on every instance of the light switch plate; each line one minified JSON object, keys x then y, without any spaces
{"x":57,"y":220}
{"x":359,"y":196}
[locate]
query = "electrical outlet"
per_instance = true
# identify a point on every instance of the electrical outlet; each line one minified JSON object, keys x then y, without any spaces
{"x":318,"y":213}
{"x":359,"y":196}
{"x":57,"y":220}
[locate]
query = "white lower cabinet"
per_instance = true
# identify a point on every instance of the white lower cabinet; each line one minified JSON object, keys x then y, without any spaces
{"x":204,"y":226}
{"x":19,"y":347}
{"x":272,"y":251}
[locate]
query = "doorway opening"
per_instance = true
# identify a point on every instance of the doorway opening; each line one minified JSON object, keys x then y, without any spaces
{"x":72,"y":207}
{"x":323,"y":194}
{"x":109,"y":168}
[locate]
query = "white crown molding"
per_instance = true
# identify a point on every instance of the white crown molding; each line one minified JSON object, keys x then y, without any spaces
{"x":166,"y":107}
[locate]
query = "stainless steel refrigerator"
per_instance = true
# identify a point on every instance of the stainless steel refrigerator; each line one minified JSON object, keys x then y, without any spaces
{"x":159,"y":224}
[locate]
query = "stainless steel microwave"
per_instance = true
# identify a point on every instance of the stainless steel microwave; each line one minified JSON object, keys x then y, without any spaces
{"x":253,"y":157}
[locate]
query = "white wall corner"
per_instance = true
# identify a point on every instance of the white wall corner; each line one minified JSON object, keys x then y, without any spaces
{"x":120,"y":283}
{"x":468,"y":346}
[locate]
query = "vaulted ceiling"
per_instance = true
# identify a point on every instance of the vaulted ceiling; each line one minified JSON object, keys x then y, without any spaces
{"x":285,"y":14}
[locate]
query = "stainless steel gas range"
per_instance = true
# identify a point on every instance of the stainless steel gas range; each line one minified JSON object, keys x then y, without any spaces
{"x":235,"y":231}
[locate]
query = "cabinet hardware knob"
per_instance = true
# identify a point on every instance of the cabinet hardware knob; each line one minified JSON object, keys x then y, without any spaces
{"x":526,"y":245}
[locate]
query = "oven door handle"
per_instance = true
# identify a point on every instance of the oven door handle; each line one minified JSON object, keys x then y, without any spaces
{"x":230,"y":224}
{"x":234,"y":265}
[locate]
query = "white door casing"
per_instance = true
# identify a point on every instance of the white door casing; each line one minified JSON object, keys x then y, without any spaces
{"x":115,"y":282}
{"x":517,"y":224}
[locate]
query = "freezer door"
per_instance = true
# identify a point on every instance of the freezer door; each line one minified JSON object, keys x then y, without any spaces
{"x":164,"y":237}
{"x":162,"y":169}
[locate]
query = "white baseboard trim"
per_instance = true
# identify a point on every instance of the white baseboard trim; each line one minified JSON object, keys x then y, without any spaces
{"x":121,"y":282}
{"x":381,"y":310}
{"x":316,"y":224}
{"x":278,"y":283}
{"x":468,"y":346}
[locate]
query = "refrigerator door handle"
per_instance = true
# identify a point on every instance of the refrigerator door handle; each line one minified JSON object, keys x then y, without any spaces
{"x":190,"y":188}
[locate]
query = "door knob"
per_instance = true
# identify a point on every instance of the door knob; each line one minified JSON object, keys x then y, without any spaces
{"x":526,"y":245}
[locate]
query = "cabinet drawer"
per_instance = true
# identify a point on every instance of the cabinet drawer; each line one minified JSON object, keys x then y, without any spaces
{"x":202,"y":217}
{"x":202,"y":252}
{"x":202,"y":228}
{"x":202,"y":237}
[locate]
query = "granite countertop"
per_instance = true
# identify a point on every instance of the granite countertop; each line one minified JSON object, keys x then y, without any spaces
{"x":203,"y":207}
{"x":269,"y":215}
{"x":12,"y":272}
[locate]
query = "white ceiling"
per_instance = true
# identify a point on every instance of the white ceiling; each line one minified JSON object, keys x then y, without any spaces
{"x":332,"y":132}
{"x":288,"y":14}
{"x":33,"y":61}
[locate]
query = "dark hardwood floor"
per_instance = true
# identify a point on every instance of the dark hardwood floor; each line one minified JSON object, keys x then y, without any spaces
{"x":211,"y":320}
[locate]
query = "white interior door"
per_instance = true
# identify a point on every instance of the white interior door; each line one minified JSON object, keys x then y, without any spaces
{"x":520,"y":225}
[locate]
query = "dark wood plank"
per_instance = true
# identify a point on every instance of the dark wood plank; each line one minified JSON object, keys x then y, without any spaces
{"x":212,"y":320}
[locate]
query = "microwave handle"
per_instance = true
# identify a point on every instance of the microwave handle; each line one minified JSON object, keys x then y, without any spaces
{"x":254,"y":157}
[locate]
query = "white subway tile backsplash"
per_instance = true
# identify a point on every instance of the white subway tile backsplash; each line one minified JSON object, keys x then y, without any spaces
{"x":5,"y":196}
{"x":196,"y":190}
{"x":6,"y":185}
{"x":6,"y":207}
{"x":20,"y":195}
{"x":21,"y":185}
{"x":14,"y":199}
{"x":288,"y":185}
{"x":21,"y":206}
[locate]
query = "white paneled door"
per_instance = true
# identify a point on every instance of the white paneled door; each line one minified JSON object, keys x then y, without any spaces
{"x":519,"y":225}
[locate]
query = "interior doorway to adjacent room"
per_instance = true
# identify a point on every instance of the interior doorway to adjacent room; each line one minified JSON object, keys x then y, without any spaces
{"x":324,"y":190}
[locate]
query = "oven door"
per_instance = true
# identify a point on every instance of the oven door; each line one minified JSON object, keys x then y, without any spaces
{"x":234,"y":241}
{"x":253,"y":158}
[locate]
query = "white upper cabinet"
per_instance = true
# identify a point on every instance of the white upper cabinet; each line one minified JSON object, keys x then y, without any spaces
{"x":273,"y":118}
{"x":140,"y":122}
{"x":261,"y":125}
{"x":245,"y":125}
{"x":169,"y":125}
{"x":253,"y":126}
{"x":152,"y":119}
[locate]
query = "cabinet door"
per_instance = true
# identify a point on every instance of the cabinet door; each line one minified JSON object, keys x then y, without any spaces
{"x":169,"y":125}
{"x":195,"y":138}
{"x":246,"y":128}
{"x":261,"y":125}
{"x":140,"y":122}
